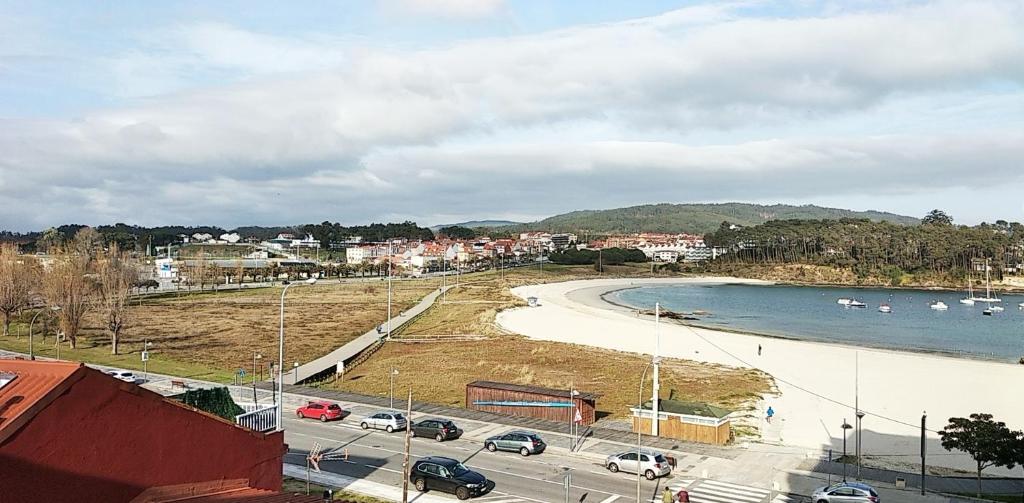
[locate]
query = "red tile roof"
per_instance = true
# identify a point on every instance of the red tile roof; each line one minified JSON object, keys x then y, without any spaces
{"x":34,"y":385}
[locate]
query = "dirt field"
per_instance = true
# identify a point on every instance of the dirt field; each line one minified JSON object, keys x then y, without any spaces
{"x":498,"y":356}
{"x":222,"y":330}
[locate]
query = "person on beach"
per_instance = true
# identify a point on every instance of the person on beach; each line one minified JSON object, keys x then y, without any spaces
{"x":758,"y":350}
{"x":769,"y":414}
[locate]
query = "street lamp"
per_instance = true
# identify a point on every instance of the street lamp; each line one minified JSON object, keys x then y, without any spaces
{"x":640,"y":407}
{"x":391,"y":388}
{"x":31,"y":353}
{"x":280,"y":358}
{"x":255,"y":356}
{"x":145,"y":359}
{"x":846,"y":426}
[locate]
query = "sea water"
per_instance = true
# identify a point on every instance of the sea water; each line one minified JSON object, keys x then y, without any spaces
{"x":812,"y":313}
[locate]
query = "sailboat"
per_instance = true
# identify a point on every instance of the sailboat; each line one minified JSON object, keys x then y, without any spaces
{"x":988,"y":288}
{"x":969,"y":300}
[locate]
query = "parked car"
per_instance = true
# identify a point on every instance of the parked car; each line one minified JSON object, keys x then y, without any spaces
{"x":652,"y":464}
{"x":389,"y":421}
{"x":440,"y":429}
{"x":123,"y":375}
{"x":846,"y":492}
{"x":324,"y":411}
{"x":524,"y":442}
{"x":448,"y":475}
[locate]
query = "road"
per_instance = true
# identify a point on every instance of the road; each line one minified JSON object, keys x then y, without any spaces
{"x":377,"y":456}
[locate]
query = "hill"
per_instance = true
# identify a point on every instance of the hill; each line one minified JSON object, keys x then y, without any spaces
{"x":696,"y":218}
{"x":474,"y":224}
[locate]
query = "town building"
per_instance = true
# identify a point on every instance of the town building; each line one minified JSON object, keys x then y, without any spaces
{"x":690,"y":421}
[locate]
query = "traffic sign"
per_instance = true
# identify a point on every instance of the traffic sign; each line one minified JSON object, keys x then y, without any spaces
{"x":241,"y":372}
{"x":145,"y":356}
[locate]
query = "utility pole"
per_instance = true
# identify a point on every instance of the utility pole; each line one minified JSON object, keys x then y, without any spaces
{"x":656,"y":416}
{"x":390,"y":256}
{"x":405,"y":458}
{"x":856,"y":404}
{"x":924,"y":417}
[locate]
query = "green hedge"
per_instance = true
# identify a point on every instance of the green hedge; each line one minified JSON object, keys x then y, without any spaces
{"x":216,"y":401}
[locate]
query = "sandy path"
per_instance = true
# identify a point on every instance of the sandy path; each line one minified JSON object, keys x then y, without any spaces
{"x":816,"y":380}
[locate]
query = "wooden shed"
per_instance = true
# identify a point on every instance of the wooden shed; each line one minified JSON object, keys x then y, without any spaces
{"x":531,"y":401}
{"x":692,"y":421}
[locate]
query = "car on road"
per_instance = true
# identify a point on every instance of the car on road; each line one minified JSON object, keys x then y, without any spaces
{"x":845,"y":492}
{"x":652,"y":464}
{"x":324,"y":411}
{"x":388,"y":421}
{"x":439,"y":429}
{"x":448,"y":475}
{"x":523,"y":442}
{"x":123,"y":375}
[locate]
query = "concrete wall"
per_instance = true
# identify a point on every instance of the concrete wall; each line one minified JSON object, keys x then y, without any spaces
{"x":107,"y":441}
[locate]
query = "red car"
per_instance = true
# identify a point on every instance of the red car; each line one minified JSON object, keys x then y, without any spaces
{"x":324,"y":411}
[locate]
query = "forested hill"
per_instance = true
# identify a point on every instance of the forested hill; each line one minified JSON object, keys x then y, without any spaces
{"x":696,"y":218}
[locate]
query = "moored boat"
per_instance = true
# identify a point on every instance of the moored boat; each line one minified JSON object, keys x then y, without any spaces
{"x":939,"y":306}
{"x":857,"y":303}
{"x":843,"y":302}
{"x":885,"y":308}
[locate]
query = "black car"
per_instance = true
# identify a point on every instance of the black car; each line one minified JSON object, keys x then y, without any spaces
{"x":448,"y":475}
{"x":439,"y":429}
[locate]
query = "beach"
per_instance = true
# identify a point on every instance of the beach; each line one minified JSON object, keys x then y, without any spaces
{"x":816,"y":383}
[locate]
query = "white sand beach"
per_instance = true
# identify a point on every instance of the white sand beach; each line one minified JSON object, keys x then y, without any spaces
{"x":815,"y":380}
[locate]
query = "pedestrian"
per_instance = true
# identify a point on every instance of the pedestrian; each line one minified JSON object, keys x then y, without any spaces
{"x":666,"y":496}
{"x":770,"y":413}
{"x":758,"y":350}
{"x":682,"y":496}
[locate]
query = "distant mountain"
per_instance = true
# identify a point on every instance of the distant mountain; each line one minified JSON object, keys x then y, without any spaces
{"x":473,"y":224}
{"x":695,"y":218}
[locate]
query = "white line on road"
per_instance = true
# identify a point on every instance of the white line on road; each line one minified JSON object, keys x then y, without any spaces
{"x":610,"y":499}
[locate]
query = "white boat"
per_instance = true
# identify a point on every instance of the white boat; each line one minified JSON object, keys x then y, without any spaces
{"x":996,"y":309}
{"x":885,"y":308}
{"x":969,"y":300}
{"x":857,"y":303}
{"x":1021,"y":305}
{"x":987,"y":311}
{"x":988,"y":288}
{"x":843,"y":302}
{"x":939,"y":306}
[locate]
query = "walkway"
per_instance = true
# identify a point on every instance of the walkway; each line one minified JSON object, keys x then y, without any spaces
{"x":359,"y":344}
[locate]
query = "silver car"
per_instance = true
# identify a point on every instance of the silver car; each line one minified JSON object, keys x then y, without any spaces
{"x":652,"y":464}
{"x":388,"y":421}
{"x":523,"y":442}
{"x":846,"y":492}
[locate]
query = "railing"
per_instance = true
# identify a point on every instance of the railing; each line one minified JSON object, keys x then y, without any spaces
{"x":257,"y":418}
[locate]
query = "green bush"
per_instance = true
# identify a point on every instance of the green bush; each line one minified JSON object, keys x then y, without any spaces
{"x":216,"y":401}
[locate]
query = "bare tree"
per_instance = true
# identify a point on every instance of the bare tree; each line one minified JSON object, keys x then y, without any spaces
{"x":66,"y":286}
{"x":87,"y":242}
{"x":19,"y":277}
{"x":117,"y":275}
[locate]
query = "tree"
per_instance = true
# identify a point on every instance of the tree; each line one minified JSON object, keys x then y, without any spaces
{"x":66,"y":286}
{"x":457,"y":232}
{"x":985,"y":440}
{"x":87,"y":242}
{"x":50,"y":239}
{"x":117,"y":276}
{"x":19,"y":277}
{"x":937,"y":217}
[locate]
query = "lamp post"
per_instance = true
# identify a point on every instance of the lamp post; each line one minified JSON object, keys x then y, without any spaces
{"x":145,"y":359}
{"x":31,"y":353}
{"x":924,"y":417}
{"x":846,"y":426}
{"x":255,"y":356}
{"x":860,"y":416}
{"x":391,"y":387}
{"x":280,"y":358}
{"x":640,"y":409}
{"x":656,"y":361}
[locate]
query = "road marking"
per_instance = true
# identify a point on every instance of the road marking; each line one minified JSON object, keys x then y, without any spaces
{"x":713,"y":491}
{"x":610,"y":499}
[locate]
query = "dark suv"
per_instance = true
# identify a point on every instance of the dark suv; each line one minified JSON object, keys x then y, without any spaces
{"x":440,"y":429}
{"x":448,"y":475}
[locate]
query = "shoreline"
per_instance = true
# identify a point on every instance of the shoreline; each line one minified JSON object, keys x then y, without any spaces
{"x":906,"y":349}
{"x":819,"y":384}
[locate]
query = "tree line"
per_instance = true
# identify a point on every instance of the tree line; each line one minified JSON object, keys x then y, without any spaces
{"x":82,"y":276}
{"x":937,"y":246}
{"x":607,"y":256}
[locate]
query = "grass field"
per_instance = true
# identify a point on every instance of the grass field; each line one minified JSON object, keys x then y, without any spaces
{"x":470,"y":311}
{"x":212,"y":334}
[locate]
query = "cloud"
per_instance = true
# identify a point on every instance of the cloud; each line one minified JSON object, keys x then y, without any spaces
{"x":701,"y":103}
{"x":458,"y":9}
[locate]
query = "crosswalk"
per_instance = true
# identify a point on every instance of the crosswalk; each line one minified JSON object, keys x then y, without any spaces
{"x":713,"y":491}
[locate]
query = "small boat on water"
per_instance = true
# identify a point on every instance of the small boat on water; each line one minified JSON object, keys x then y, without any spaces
{"x":969,"y":300}
{"x":1020,"y":306}
{"x":939,"y":306}
{"x":885,"y":308}
{"x":843,"y":302}
{"x":988,"y":288}
{"x":857,"y":303}
{"x":997,"y":309}
{"x":987,"y":311}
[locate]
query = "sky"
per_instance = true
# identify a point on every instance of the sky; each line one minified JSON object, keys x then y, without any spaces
{"x":275,"y":113}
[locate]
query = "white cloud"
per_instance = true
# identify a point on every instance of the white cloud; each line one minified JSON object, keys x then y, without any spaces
{"x":547,"y":122}
{"x":465,"y":9}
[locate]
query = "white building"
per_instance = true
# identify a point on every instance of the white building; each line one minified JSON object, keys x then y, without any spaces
{"x":230,"y":237}
{"x":665,"y":256}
